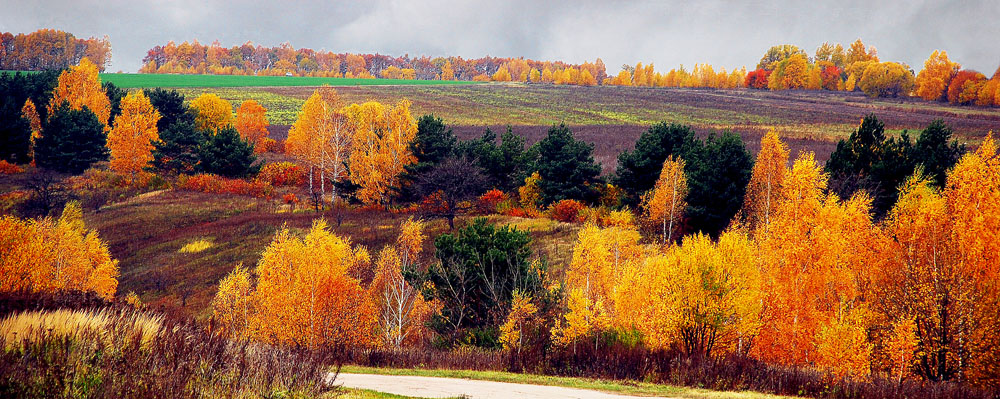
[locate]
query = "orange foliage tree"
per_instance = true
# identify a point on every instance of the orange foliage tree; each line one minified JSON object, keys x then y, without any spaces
{"x":134,"y":133}
{"x":303,"y":296}
{"x":932,"y":81}
{"x":322,"y":137}
{"x":251,"y":123}
{"x":664,"y":204}
{"x":53,"y":256}
{"x":80,"y":86}
{"x":815,"y":285}
{"x":29,"y":112}
{"x":403,"y":313}
{"x":380,"y":147}
{"x":764,"y":190}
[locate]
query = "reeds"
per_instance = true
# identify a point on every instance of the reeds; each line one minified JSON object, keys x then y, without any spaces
{"x":119,"y":352}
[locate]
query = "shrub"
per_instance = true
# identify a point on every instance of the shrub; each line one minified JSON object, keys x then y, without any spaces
{"x":213,"y":184}
{"x":567,"y":211}
{"x":7,"y":168}
{"x":489,"y":202}
{"x":281,"y":174}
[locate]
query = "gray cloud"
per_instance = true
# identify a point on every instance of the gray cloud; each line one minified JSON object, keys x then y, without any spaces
{"x":666,"y":33}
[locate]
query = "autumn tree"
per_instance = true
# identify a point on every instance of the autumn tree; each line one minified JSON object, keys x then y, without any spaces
{"x":777,"y":54}
{"x":768,"y":174}
{"x":380,"y":147}
{"x":322,"y":137}
{"x":29,"y":112}
{"x":834,"y":54}
{"x":859,"y":53}
{"x":664,"y":204}
{"x":55,"y":256}
{"x":522,"y":313}
{"x":251,"y":123}
{"x":447,"y":72}
{"x":132,"y":139}
{"x":963,"y":88}
{"x":932,"y":81}
{"x":212,"y":113}
{"x":402,"y":309}
{"x":80,"y":86}
{"x":704,"y":296}
{"x":600,"y":257}
{"x":303,"y":294}
{"x":790,"y":74}
{"x":233,"y":306}
{"x":817,"y":283}
{"x":886,"y":79}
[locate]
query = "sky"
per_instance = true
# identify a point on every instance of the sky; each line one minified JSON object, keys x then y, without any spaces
{"x":727,"y":34}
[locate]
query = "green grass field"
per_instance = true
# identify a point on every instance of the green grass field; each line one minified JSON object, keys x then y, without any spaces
{"x":141,"y":80}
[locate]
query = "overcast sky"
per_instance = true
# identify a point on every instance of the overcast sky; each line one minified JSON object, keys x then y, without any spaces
{"x":667,"y":33}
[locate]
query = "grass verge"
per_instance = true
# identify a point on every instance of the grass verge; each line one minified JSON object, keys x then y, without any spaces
{"x":350,"y":393}
{"x":612,"y":386}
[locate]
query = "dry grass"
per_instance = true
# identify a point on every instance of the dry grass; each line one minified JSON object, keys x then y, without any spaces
{"x":196,"y":246}
{"x":73,"y":323}
{"x":122,"y":353}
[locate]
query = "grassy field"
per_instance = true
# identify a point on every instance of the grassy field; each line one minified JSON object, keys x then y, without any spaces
{"x":806,"y":115}
{"x":144,"y":80}
{"x":147,"y":235}
{"x":348,"y":393}
{"x":618,"y":387}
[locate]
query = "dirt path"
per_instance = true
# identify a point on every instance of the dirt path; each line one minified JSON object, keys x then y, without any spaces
{"x":436,"y":387}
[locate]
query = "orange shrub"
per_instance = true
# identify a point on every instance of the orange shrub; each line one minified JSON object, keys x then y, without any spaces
{"x":566,"y":211}
{"x":434,"y":204}
{"x":489,"y":202}
{"x":214,"y":184}
{"x":290,"y":199}
{"x":7,"y":168}
{"x":280,"y":174}
{"x":272,"y":145}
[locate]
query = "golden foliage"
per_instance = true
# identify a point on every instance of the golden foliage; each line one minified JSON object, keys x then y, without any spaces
{"x":213,"y":112}
{"x":51,"y":256}
{"x":932,"y":81}
{"x":322,"y":137}
{"x":522,"y":311}
{"x":705,"y":296}
{"x":664,"y":204}
{"x":29,"y":112}
{"x":764,"y":190}
{"x":134,"y":133}
{"x":80,"y":86}
{"x":380,"y":148}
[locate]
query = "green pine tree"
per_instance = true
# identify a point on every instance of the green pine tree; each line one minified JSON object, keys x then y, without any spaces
{"x":226,"y":154}
{"x":72,"y":141}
